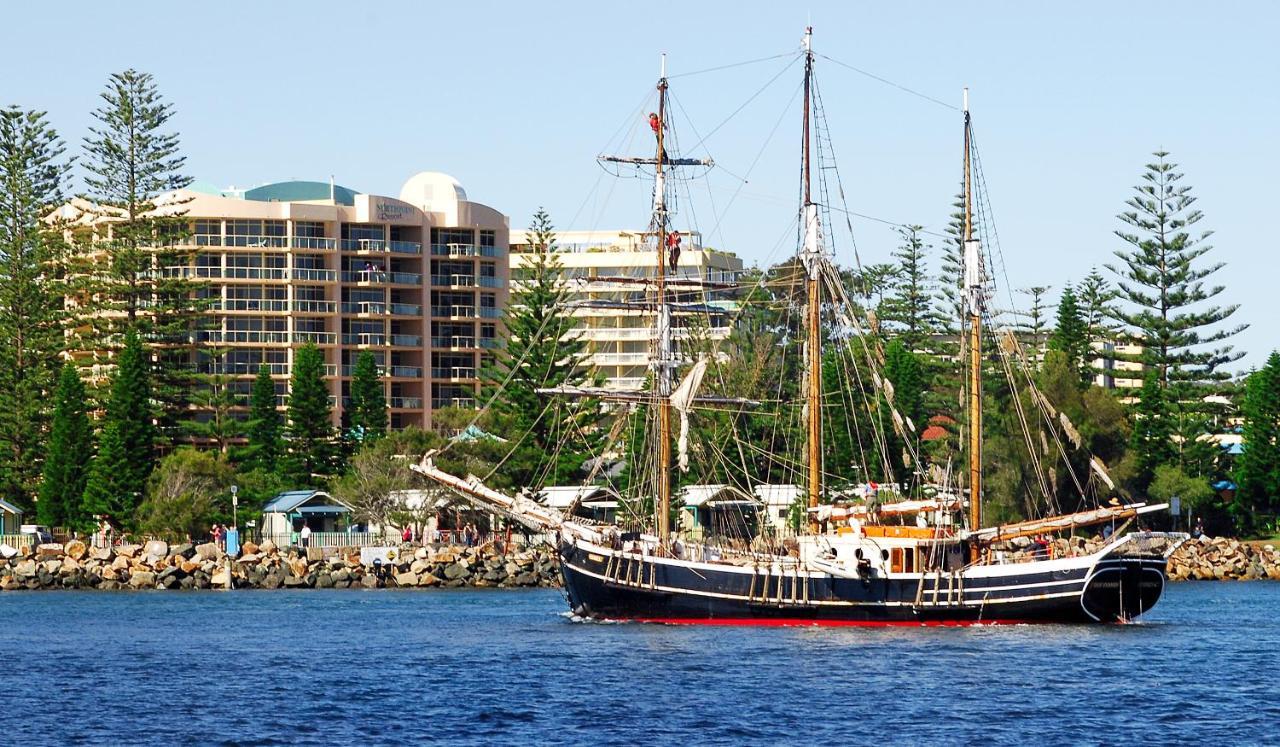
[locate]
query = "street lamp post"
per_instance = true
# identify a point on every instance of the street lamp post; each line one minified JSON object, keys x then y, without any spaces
{"x":235,"y":506}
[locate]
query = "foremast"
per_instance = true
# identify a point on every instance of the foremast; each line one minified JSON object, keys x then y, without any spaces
{"x":664,"y":361}
{"x":811,"y":255}
{"x":973,"y":287}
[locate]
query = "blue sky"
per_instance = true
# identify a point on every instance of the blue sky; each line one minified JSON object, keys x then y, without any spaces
{"x":516,"y":100}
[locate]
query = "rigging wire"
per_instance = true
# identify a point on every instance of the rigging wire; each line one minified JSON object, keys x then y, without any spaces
{"x":888,"y":82}
{"x":732,"y":65}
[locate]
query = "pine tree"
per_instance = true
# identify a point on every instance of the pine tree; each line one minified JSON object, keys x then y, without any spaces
{"x":265,"y":426}
{"x":368,"y":411}
{"x":131,"y":276}
{"x":951,"y":269}
{"x":1258,"y":467}
{"x":217,"y":397}
{"x":1071,"y":336}
{"x":66,"y":465}
{"x":1035,"y":320}
{"x":541,"y":350}
{"x":903,"y":368}
{"x":311,"y":447}
{"x":1097,"y":298}
{"x":127,"y":444}
{"x":1162,"y":278}
{"x":910,"y":309}
{"x":1154,"y":424}
{"x":32,"y":172}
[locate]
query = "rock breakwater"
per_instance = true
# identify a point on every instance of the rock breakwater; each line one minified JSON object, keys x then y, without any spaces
{"x":157,"y":565}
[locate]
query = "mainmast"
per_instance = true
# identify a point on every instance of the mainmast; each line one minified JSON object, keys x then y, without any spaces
{"x":974,"y":299}
{"x":812,"y":254}
{"x":664,"y":361}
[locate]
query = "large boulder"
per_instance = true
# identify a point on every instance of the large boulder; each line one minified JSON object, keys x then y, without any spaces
{"x":185,"y":550}
{"x":8,"y":551}
{"x":76,"y":549}
{"x":25,"y":570}
{"x":49,"y":550}
{"x":219,"y":578}
{"x":297,"y":567}
{"x":155,"y":550}
{"x":249,"y":548}
{"x":142,"y":580}
{"x":456,"y":571}
{"x":267,"y":547}
{"x":128,"y":551}
{"x":408,"y":578}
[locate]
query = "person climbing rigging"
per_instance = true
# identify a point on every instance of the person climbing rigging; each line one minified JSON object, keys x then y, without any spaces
{"x":673,"y":248}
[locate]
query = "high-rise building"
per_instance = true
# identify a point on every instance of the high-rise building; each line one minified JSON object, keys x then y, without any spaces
{"x":419,"y":280}
{"x":598,"y":266}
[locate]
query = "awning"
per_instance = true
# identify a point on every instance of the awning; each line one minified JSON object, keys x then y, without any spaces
{"x":323,"y":510}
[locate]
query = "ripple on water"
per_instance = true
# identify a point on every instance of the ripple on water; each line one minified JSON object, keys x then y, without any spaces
{"x":477,"y":667}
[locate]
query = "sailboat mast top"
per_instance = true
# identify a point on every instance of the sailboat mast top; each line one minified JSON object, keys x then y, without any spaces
{"x":812,"y":257}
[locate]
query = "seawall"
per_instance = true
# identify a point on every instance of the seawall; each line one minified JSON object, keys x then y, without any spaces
{"x":157,"y":565}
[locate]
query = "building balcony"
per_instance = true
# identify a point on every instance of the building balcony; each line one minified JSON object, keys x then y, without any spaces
{"x":490,"y":312}
{"x":454,"y":373}
{"x":406,"y":372}
{"x":454,"y":250}
{"x":258,"y":305}
{"x":254,"y":242}
{"x":406,"y":341}
{"x":365,"y":308}
{"x":314,"y":307}
{"x":405,"y":403}
{"x":454,"y":341}
{"x":315,"y":275}
{"x":625,"y":383}
{"x":490,"y":343}
{"x":618,"y":359}
{"x":313,"y":242}
{"x":364,"y":339}
{"x":365,"y":246}
{"x":406,"y":309}
{"x":242,"y":337}
{"x":379,"y":277}
{"x":317,"y":338}
{"x":467,"y":403}
{"x":491,"y":282}
{"x":453,"y":311}
{"x":405,"y":247}
{"x":453,"y":281}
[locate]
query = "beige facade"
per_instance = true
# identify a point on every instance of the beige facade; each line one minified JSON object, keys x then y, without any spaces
{"x":618,"y":339}
{"x":419,"y":280}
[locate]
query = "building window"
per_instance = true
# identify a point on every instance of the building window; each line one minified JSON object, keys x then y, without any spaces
{"x":452,"y":236}
{"x":309,"y":229}
{"x":357,"y":231}
{"x":488,"y":301}
{"x":487,"y":238}
{"x":487,"y":269}
{"x":207,"y":232}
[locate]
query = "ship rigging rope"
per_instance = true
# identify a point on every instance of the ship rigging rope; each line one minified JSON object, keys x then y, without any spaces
{"x":792,"y":53}
{"x":888,"y":82}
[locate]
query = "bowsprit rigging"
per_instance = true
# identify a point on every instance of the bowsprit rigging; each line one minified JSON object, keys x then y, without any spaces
{"x":861,"y":552}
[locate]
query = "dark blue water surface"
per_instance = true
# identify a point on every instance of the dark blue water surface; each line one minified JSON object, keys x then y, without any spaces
{"x":506,"y":667}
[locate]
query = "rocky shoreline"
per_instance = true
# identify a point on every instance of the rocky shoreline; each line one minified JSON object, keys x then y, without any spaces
{"x":157,"y":565}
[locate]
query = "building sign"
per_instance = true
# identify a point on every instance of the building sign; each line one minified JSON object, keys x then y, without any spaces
{"x":385,"y":211}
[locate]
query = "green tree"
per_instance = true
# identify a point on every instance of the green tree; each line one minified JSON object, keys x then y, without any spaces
{"x":311,"y":447}
{"x":1258,"y":467}
{"x":1153,"y":427}
{"x":903,"y":368}
{"x":910,"y":309}
{"x":218,"y":399}
{"x":32,"y":171}
{"x":1070,"y":335}
{"x":1169,"y":481}
{"x":1096,"y":299}
{"x":266,"y":426}
{"x":1035,"y":320}
{"x":131,"y":274}
{"x":66,"y":465}
{"x":127,"y":445}
{"x":368,"y":411}
{"x":1162,"y":278}
{"x":541,"y":350}
{"x":189,"y":491}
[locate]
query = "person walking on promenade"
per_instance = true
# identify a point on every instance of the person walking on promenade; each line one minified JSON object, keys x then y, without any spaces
{"x":305,"y":535}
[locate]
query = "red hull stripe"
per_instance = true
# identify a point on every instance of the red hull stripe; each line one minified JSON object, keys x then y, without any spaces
{"x":783,"y":622}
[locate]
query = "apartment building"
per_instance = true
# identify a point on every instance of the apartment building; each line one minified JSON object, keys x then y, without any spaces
{"x":598,"y":266}
{"x":419,"y":280}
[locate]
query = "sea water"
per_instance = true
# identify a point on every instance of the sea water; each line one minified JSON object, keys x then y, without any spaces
{"x":510,"y":667}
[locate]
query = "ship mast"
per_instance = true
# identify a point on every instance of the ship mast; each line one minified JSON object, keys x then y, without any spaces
{"x":812,"y":262}
{"x":664,"y":360}
{"x":974,"y":298}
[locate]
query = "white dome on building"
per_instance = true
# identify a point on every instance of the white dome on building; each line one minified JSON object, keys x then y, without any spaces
{"x":433,"y":191}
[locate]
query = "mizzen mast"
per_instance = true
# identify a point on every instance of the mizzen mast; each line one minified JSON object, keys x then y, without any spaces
{"x":811,"y":254}
{"x":974,"y":300}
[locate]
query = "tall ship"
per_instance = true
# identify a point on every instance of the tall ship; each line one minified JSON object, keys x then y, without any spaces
{"x":858,"y":552}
